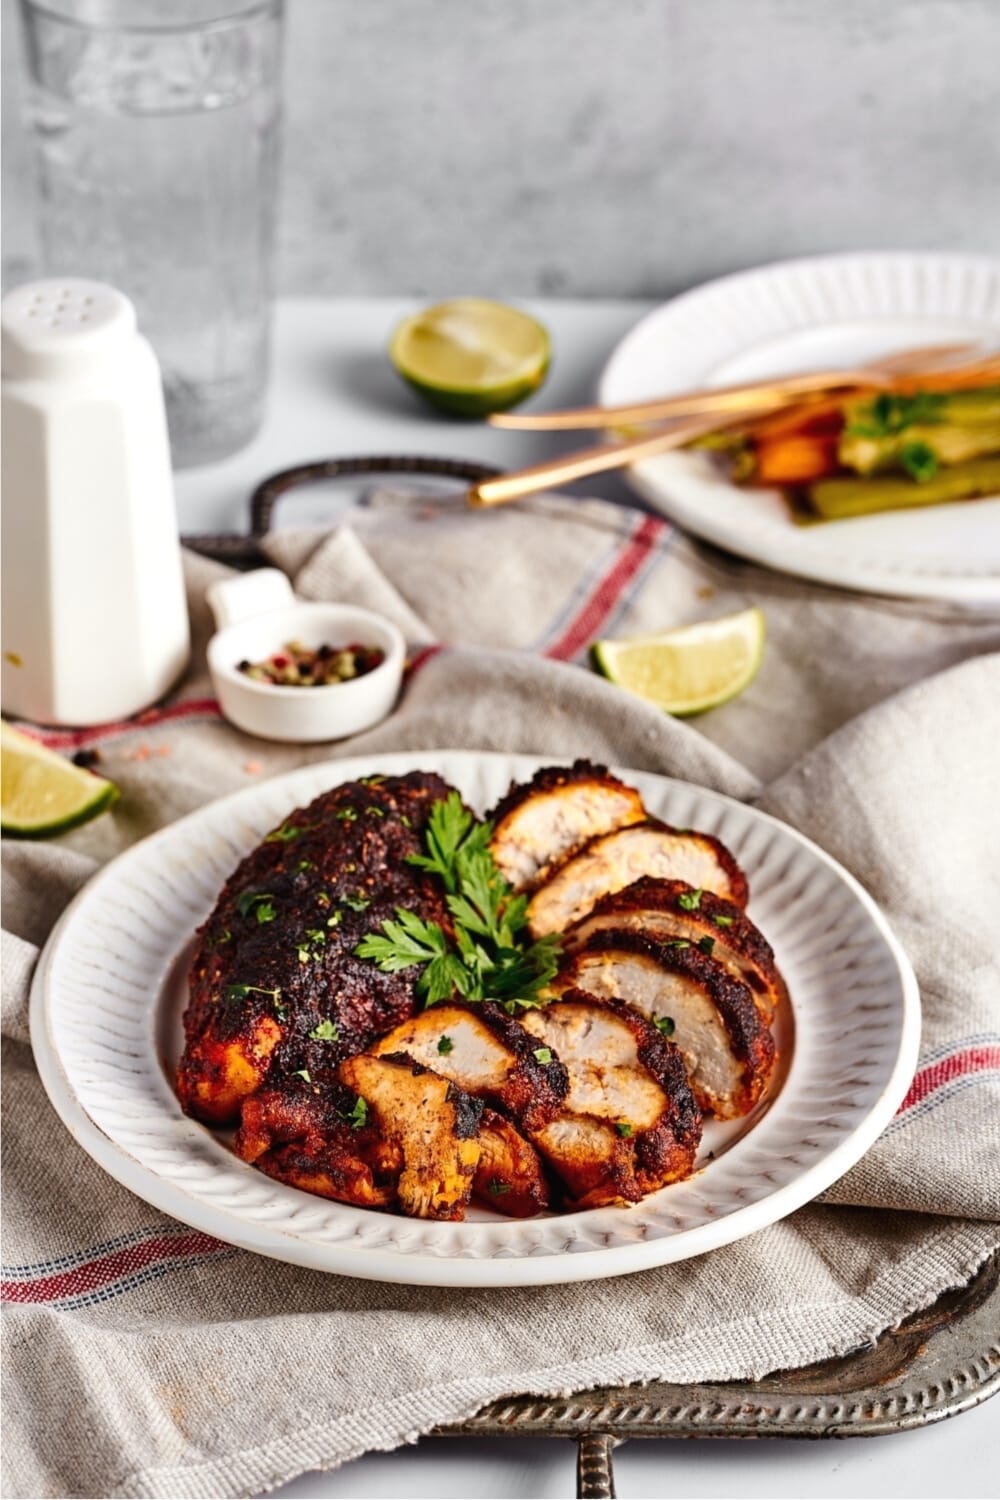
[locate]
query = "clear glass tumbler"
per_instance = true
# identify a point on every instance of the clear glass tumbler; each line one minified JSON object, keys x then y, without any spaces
{"x":156,"y":123}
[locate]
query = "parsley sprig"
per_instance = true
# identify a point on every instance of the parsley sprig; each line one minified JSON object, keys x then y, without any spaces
{"x":488,"y":958}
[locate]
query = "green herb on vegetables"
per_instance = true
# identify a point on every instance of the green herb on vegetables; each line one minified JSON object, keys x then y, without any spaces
{"x":690,"y":900}
{"x":920,"y":461}
{"x":542,"y":1055}
{"x":445,"y":1045}
{"x":664,"y":1025}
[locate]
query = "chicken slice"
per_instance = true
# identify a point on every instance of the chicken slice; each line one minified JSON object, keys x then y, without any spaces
{"x":554,"y":814}
{"x":302,"y":1135}
{"x":510,"y":1176}
{"x":613,"y":861}
{"x":672,"y":909}
{"x":434,"y":1123}
{"x":728,"y":1050}
{"x":630,"y":1124}
{"x":487,"y":1053}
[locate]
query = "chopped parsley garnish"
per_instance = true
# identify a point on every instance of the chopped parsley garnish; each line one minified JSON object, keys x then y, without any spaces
{"x":326,"y":1031}
{"x":304,"y":1073}
{"x":316,"y":934}
{"x":445,"y":1045}
{"x":259,"y":904}
{"x":303,"y":952}
{"x":241,"y":991}
{"x":358,"y":1117}
{"x":356,"y":903}
{"x":225,"y":936}
{"x":677,"y":943}
{"x":722,"y":921}
{"x":690,"y":900}
{"x":664,"y":1025}
{"x":284,"y":834}
{"x":334,"y":919}
{"x":488,"y":957}
{"x":706,"y":944}
{"x":304,"y":864}
{"x":624,"y":1129}
{"x":542,"y":1055}
{"x":348,"y":815}
{"x":374,"y":812}
{"x":498,"y":1187}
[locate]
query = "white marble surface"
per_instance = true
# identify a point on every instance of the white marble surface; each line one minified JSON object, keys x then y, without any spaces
{"x":334,"y":392}
{"x":608,"y":147}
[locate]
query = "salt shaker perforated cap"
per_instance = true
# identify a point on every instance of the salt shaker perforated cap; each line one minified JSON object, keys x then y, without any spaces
{"x":66,"y":327}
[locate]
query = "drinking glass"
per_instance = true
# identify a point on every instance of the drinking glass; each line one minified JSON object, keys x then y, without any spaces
{"x":156,"y":125}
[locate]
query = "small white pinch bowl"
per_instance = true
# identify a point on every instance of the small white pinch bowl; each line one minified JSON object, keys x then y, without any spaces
{"x":257,"y":614}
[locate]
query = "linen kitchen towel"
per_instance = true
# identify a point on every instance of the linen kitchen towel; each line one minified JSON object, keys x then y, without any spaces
{"x":145,"y":1358}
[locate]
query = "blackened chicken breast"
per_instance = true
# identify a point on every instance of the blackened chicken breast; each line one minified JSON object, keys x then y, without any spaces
{"x":275,"y":985}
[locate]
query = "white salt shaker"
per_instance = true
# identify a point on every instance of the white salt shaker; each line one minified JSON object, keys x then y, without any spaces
{"x":95,"y":622}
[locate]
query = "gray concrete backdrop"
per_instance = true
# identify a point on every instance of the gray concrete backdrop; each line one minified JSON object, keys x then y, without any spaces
{"x":609,"y":147}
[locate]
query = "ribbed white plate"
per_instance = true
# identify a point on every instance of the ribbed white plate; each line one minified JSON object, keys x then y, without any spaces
{"x":109,"y":990}
{"x":811,"y":314}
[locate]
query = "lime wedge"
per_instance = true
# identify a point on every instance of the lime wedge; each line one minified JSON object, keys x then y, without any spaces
{"x":471,"y":357}
{"x":42,"y":793}
{"x":689,"y":670}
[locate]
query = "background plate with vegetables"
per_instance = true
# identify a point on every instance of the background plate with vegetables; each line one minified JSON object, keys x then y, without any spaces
{"x":908,"y":453}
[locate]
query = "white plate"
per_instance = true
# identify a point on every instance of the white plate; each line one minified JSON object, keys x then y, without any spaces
{"x":804,"y":315}
{"x":109,"y":990}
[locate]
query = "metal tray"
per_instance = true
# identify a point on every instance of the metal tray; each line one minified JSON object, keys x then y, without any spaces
{"x":936,"y":1364}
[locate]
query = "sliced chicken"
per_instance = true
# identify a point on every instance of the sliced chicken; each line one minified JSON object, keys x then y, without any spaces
{"x":510,"y":1176}
{"x":488,"y":1054}
{"x":434,"y":1124}
{"x":630,"y":1124}
{"x":672,"y":909}
{"x":613,"y":861}
{"x":727,"y":1049}
{"x":559,"y":810}
{"x":303,"y":1135}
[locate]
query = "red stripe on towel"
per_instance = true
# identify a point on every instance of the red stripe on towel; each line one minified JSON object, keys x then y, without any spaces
{"x":107,"y":1268}
{"x":74,"y":739}
{"x":602,"y":600}
{"x":947,"y":1069}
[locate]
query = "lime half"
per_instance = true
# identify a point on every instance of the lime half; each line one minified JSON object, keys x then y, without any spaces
{"x":689,"y":670}
{"x":42,"y":793}
{"x":471,"y":357}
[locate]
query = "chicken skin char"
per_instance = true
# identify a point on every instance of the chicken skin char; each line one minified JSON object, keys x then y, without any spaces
{"x":275,"y":985}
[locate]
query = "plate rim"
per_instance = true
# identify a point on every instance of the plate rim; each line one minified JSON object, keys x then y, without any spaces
{"x":399,"y":1267}
{"x":975,"y":590}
